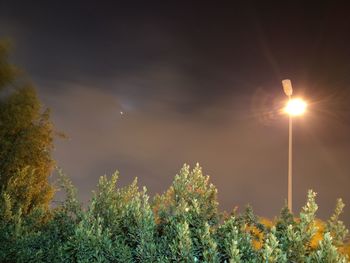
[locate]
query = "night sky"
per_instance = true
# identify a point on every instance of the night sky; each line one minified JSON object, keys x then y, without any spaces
{"x":196,"y":82}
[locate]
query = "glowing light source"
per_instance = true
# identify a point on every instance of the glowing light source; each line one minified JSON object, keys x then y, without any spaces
{"x":295,"y":107}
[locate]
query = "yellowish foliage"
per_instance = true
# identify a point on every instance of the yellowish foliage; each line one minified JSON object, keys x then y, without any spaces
{"x":345,"y":249}
{"x":258,"y":236}
{"x":258,"y":241}
{"x":266,"y":222}
{"x":319,"y":234}
{"x":26,"y":139}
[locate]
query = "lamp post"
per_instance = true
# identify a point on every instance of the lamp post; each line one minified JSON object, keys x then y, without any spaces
{"x":294,"y":107}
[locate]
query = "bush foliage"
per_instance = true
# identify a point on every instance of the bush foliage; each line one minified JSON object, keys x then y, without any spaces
{"x":182,"y":225}
{"x":26,"y":139}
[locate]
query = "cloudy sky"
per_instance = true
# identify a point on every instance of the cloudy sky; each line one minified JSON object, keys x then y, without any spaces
{"x":196,"y":82}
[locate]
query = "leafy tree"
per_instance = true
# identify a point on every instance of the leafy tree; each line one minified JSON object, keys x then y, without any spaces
{"x":180,"y":246}
{"x":40,"y":235}
{"x":25,"y":139}
{"x":190,"y":200}
{"x":271,"y":251}
{"x":119,"y":218}
{"x":335,"y":226}
{"x":284,"y":222}
{"x":7,"y":228}
{"x":235,"y":243}
{"x":208,"y":243}
{"x":295,"y":236}
{"x":253,"y":225}
{"x":118,"y":225}
{"x":193,"y":189}
{"x":92,"y":242}
{"x":327,"y":252}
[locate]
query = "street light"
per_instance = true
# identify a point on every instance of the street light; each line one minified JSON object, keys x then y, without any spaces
{"x":294,"y":107}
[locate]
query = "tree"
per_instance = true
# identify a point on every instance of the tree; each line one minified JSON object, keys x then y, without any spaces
{"x":335,"y":226}
{"x":122,"y":218}
{"x":235,"y":242}
{"x":41,"y":235}
{"x":26,"y":139}
{"x":208,"y":244}
{"x":119,"y":225}
{"x":181,"y":245}
{"x":194,"y":189}
{"x":271,"y":251}
{"x":327,"y":252}
{"x":190,"y":201}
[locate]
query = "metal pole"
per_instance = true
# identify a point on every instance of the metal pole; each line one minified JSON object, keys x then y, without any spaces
{"x":290,"y":193}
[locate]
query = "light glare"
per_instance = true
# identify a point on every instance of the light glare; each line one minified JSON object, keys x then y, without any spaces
{"x":295,"y":107}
